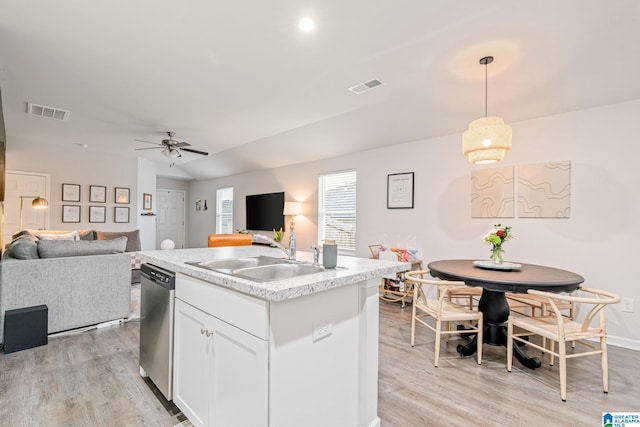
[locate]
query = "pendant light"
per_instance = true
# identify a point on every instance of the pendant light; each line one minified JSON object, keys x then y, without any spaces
{"x":488,"y":138}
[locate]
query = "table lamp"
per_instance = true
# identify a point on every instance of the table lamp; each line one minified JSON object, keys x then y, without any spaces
{"x":292,"y":209}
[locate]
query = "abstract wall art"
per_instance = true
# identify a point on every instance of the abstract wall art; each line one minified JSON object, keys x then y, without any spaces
{"x":492,"y":193}
{"x":544,"y":190}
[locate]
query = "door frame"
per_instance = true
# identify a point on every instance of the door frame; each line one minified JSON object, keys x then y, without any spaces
{"x":184,"y":214}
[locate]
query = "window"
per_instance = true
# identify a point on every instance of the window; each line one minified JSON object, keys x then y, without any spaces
{"x":224,"y":210}
{"x":337,"y":209}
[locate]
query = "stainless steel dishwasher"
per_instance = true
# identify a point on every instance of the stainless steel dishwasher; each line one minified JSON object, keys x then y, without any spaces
{"x":157,"y":291}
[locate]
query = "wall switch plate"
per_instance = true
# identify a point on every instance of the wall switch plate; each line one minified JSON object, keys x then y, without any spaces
{"x":321,"y":330}
{"x":626,"y":305}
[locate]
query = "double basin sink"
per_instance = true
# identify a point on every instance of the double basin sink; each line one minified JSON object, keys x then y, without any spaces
{"x":260,"y":268}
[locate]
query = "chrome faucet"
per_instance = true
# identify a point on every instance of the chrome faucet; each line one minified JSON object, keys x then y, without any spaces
{"x":292,"y":245}
{"x":261,"y":238}
{"x":316,"y":255}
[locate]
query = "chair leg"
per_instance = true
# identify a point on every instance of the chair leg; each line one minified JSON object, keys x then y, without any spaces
{"x":562,"y":358}
{"x":438,"y":339}
{"x":509,"y":345}
{"x":447,"y":327}
{"x":479,"y":337}
{"x":604,"y":364}
{"x":413,"y":325}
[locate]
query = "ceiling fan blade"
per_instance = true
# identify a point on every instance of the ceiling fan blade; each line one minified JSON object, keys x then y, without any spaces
{"x":150,"y":148}
{"x":191,"y":150}
{"x":182,"y":144}
{"x":148,"y":142}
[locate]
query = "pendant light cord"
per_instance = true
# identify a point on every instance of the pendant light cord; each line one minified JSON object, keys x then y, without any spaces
{"x":485,"y":89}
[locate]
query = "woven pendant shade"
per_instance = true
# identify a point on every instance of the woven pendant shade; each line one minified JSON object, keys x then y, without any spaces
{"x":486,"y":140}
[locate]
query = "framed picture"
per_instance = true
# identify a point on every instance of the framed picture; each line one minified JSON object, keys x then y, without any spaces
{"x":97,"y":213}
{"x":97,"y":194}
{"x":120,"y":214}
{"x":70,"y":213}
{"x":146,"y":201}
{"x":400,"y":190}
{"x":71,"y":192}
{"x":122,"y":196}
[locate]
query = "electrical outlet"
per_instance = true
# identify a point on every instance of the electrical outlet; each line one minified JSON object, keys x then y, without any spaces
{"x":322,"y":330}
{"x":626,"y":305}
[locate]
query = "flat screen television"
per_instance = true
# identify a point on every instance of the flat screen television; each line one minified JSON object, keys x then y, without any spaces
{"x":264,"y":211}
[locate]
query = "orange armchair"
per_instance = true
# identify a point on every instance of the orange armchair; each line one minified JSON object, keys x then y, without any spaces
{"x":215,"y":240}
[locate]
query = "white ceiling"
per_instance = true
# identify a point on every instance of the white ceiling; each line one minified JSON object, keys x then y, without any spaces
{"x":239,"y":80}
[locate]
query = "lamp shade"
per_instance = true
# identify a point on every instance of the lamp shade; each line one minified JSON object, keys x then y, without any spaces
{"x":292,"y":208}
{"x":486,"y":140}
{"x":40,"y":203}
{"x":171,"y":153}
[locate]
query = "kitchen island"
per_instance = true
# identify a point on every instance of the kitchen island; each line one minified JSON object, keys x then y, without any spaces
{"x":290,"y":352}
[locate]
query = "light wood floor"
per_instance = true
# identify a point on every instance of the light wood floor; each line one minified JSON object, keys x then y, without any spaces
{"x":459,"y":392}
{"x":91,"y":379}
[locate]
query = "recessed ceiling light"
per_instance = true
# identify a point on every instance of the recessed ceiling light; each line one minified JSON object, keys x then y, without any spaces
{"x":307,"y":24}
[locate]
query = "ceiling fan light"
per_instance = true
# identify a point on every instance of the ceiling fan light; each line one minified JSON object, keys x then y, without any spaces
{"x":171,"y":153}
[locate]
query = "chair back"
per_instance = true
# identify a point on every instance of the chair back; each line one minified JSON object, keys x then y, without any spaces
{"x":216,"y":240}
{"x":595,"y":303}
{"x":442,"y":287}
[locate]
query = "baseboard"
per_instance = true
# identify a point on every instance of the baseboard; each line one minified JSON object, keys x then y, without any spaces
{"x":110,"y":323}
{"x":623,"y":342}
{"x":375,"y":422}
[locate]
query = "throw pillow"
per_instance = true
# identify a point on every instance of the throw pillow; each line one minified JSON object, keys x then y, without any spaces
{"x":87,"y":234}
{"x":22,"y":233}
{"x":72,"y":235}
{"x":133,"y":242}
{"x":23,"y":247}
{"x":69,"y":248}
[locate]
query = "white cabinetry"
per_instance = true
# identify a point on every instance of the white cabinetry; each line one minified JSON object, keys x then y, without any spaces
{"x":244,"y":361}
{"x":220,"y":371}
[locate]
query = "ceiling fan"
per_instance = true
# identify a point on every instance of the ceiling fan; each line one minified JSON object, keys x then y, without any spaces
{"x":171,"y":147}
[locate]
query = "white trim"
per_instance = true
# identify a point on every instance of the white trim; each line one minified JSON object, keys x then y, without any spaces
{"x":627,"y":343}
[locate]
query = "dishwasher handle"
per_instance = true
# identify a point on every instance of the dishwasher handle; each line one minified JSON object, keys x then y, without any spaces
{"x":158,"y":275}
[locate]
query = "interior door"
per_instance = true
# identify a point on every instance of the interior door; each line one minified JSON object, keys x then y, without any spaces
{"x":24,"y":187}
{"x":170,"y":220}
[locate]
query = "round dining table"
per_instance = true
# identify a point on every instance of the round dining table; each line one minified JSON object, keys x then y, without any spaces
{"x":495,"y":281}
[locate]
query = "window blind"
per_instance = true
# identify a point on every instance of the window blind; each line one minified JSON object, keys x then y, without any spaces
{"x":337,"y":209}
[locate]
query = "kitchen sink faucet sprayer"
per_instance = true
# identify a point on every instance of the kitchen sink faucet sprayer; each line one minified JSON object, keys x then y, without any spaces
{"x":291,"y":253}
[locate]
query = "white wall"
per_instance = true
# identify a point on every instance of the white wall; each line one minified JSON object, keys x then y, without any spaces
{"x":77,"y":166}
{"x":147,"y":184}
{"x":598,"y":241}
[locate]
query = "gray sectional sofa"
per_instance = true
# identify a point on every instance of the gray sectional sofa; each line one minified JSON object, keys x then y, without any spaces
{"x":84,"y":280}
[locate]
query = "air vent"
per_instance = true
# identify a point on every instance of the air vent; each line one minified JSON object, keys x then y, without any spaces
{"x":48,"y":112}
{"x":363,"y":87}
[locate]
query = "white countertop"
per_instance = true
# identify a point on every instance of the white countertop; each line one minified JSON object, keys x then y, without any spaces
{"x":353,"y":270}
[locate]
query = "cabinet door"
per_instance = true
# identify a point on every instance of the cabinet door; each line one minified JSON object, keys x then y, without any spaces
{"x":239,"y":378}
{"x":192,"y":362}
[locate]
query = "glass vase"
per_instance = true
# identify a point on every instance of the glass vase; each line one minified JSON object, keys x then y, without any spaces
{"x":496,"y":254}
